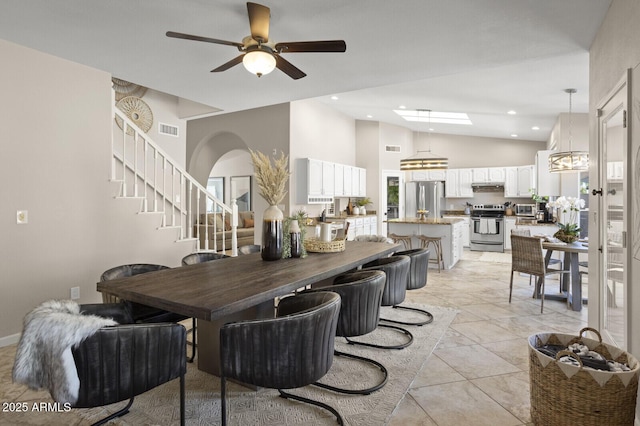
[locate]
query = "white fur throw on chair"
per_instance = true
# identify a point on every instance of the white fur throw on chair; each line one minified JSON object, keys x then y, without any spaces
{"x":44,"y":358}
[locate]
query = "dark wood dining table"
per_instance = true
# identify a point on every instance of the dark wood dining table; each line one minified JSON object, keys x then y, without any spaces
{"x":236,"y":288}
{"x":571,"y":252}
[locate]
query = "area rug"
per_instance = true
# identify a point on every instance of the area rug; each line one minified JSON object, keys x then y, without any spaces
{"x":160,"y":406}
{"x":495,"y":257}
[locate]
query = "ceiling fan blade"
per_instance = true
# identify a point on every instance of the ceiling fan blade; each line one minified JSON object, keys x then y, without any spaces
{"x":288,"y":68}
{"x":312,"y":46}
{"x":205,"y":39}
{"x":235,"y":61}
{"x":259,"y":16}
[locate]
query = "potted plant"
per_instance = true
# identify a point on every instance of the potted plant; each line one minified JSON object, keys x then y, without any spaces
{"x":570,"y":229}
{"x":363,"y":203}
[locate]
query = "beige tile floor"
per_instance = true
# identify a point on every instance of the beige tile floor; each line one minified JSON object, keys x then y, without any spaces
{"x":479,"y":372}
{"x":477,"y":375}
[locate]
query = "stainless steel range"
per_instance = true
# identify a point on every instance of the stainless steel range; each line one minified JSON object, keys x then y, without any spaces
{"x":486,"y":229}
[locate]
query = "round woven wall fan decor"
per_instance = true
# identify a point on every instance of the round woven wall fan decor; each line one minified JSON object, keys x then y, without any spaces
{"x":138,"y":111}
{"x":125,"y":88}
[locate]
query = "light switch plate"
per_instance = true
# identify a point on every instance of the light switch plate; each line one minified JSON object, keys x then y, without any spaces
{"x":22,"y":217}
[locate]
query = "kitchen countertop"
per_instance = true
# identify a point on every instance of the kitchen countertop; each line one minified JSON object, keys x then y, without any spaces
{"x":429,"y":221}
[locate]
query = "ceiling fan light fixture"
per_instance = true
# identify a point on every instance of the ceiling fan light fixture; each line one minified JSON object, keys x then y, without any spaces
{"x":259,"y":62}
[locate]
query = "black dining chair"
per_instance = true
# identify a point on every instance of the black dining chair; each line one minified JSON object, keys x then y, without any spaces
{"x":416,"y":279}
{"x":252,"y":248}
{"x":294,"y":349}
{"x":361,"y":295}
{"x":193,"y":259}
{"x":116,"y":363}
{"x":396,"y":269}
{"x":143,"y":314}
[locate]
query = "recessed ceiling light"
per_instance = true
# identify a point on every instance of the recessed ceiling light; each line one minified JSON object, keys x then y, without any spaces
{"x":369,"y":116}
{"x":431,"y":129}
{"x":511,"y":112}
{"x":402,"y":107}
{"x":423,"y":116}
{"x":535,"y":128}
{"x":334,"y":98}
{"x":513,"y":135}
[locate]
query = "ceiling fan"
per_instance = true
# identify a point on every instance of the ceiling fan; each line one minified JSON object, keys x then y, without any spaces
{"x":259,"y":55}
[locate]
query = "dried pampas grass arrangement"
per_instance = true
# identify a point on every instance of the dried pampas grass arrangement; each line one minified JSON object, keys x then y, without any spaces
{"x":271,"y":178}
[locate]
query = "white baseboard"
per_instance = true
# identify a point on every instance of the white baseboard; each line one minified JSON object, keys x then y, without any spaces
{"x":10,"y":340}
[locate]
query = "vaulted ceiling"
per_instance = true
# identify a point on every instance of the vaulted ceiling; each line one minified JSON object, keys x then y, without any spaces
{"x":480,"y":57}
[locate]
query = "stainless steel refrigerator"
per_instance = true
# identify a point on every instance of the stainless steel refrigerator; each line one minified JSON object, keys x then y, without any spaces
{"x":424,"y":196}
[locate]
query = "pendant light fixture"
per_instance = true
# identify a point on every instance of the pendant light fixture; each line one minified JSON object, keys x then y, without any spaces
{"x":569,"y":161}
{"x":425,"y":160}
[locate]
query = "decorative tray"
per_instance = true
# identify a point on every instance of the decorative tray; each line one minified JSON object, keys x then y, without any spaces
{"x":313,"y":245}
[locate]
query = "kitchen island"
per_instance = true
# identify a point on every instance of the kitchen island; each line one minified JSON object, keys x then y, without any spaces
{"x":450,"y":229}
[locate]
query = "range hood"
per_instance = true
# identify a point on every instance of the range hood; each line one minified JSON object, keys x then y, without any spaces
{"x":487,"y":186}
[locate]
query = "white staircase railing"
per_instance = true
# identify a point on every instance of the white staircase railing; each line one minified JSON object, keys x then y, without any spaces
{"x":146,"y":172}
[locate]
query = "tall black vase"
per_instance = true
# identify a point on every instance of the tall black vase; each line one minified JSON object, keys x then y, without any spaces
{"x":272,"y":233}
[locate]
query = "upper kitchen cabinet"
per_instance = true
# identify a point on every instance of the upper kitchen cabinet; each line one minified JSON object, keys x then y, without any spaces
{"x":489,"y":174}
{"x":339,"y":180}
{"x":519,"y":181}
{"x":316,"y":181}
{"x":363,"y":183}
{"x":429,"y":175}
{"x":458,"y":183}
{"x":547,"y":183}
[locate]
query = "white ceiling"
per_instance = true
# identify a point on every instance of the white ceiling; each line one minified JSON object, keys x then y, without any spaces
{"x":482,"y":57}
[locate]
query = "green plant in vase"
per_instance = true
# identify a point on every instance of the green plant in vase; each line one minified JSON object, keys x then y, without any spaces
{"x":569,"y":231}
{"x":363,"y":203}
{"x":292,"y":225}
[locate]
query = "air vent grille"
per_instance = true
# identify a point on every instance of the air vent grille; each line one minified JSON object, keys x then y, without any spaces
{"x":392,"y":148}
{"x":168,"y":129}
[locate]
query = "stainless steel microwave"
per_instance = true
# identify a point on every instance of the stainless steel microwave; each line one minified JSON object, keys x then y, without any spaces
{"x":526,"y":209}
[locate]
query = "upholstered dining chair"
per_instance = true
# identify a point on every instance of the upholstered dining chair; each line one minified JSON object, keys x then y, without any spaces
{"x":361,"y":295}
{"x":112,"y":363}
{"x":294,"y":349}
{"x":143,"y":314}
{"x":527,"y":256}
{"x":194,"y":258}
{"x":252,"y":248}
{"x":396,"y":269}
{"x":416,"y":279}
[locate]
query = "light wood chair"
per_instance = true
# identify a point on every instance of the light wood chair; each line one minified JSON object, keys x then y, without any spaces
{"x":527,"y":256}
{"x":405,"y":239}
{"x":426,"y":241}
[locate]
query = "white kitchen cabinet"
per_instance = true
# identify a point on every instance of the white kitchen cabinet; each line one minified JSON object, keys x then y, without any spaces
{"x":339,"y":180}
{"x":465,"y":233}
{"x":315,"y":181}
{"x":546,"y":183}
{"x":496,"y":174}
{"x":509,"y":225}
{"x":363,"y":182}
{"x":519,"y":181}
{"x":348,"y":181}
{"x":458,"y":183}
{"x":355,"y":182}
{"x":373,"y":227}
{"x":429,"y":175}
{"x":458,"y":238}
{"x":526,"y":180}
{"x":480,"y":174}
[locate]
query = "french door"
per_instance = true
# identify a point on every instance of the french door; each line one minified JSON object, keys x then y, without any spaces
{"x":613,"y":230}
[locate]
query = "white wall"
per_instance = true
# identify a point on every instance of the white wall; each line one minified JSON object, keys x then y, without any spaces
{"x":234,"y":163}
{"x":55,"y":151}
{"x":473,"y":151}
{"x":615,"y":50}
{"x":165,"y":110}
{"x":321,"y":133}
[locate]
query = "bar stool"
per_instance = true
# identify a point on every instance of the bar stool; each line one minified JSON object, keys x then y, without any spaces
{"x":405,"y":239}
{"x":437,"y":248}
